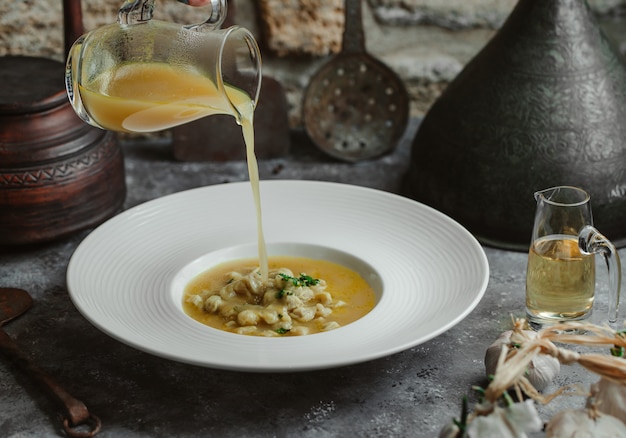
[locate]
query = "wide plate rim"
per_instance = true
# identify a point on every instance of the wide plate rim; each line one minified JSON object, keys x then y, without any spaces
{"x":146,"y":213}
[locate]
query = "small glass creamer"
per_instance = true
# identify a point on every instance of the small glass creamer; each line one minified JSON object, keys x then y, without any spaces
{"x":561,"y":277}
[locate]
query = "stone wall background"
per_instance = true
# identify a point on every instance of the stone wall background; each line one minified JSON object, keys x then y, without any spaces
{"x":427,"y":42}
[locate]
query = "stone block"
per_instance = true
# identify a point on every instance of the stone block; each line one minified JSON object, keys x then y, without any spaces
{"x":312,"y":27}
{"x":458,"y":14}
{"x":452,"y":14}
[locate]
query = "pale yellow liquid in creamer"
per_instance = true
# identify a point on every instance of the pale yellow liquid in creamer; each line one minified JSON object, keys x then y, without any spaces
{"x":560,"y":280}
{"x":148,"y":97}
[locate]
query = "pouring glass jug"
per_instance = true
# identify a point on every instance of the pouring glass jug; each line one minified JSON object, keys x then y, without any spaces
{"x":560,"y":279}
{"x":143,"y":75}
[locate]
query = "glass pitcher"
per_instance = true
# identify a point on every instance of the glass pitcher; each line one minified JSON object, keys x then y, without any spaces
{"x":143,"y":75}
{"x":560,"y":278}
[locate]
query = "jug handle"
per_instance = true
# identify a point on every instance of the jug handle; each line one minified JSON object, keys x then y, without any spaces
{"x":591,"y":241}
{"x":139,"y":11}
{"x":219,"y":9}
{"x":135,"y":11}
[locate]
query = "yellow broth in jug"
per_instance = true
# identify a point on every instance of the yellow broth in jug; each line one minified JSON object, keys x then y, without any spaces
{"x":148,"y":97}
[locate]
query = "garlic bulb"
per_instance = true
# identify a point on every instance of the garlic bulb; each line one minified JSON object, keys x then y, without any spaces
{"x":584,"y":423}
{"x":450,"y":430}
{"x":609,"y":398}
{"x":514,"y":421}
{"x":541,"y":371}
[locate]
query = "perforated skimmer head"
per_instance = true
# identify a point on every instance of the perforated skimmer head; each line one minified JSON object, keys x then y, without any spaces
{"x":355,"y":109}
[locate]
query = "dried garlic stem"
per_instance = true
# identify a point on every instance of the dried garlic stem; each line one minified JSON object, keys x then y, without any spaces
{"x":512,"y":366}
{"x":595,"y":336}
{"x":609,"y":367}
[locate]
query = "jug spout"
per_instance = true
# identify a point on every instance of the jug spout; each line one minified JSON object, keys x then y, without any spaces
{"x":540,"y":195}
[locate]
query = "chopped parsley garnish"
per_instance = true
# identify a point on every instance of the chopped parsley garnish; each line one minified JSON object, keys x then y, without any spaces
{"x":282,"y":331}
{"x":302,"y":280}
{"x":281,"y":293}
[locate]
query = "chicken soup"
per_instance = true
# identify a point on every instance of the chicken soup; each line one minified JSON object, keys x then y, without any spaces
{"x":301,"y":296}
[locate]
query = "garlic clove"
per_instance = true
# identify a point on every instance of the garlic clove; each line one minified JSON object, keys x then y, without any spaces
{"x":609,"y":398}
{"x":493,"y":352}
{"x":541,"y":371}
{"x":513,"y":421}
{"x":584,"y":423}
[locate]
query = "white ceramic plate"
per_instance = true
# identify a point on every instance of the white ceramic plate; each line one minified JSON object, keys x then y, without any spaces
{"x":127,"y":276}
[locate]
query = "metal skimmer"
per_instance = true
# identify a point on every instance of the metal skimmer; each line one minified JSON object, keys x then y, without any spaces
{"x":355,"y":108}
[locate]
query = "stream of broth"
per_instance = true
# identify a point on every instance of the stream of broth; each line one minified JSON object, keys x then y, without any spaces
{"x":149,"y":97}
{"x":253,"y":170}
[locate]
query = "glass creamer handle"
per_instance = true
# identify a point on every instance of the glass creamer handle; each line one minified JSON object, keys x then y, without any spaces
{"x":139,"y":11}
{"x":591,"y":241}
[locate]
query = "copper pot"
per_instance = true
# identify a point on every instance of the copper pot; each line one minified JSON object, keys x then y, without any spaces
{"x":57,"y":174}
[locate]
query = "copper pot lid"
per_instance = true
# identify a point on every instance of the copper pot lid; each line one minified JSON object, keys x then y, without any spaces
{"x":30,"y":84}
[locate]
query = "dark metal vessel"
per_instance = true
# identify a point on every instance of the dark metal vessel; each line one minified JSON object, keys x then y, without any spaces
{"x":542,"y":104}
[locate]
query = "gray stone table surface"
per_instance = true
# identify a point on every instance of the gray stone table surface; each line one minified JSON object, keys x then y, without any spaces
{"x":409,"y":394}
